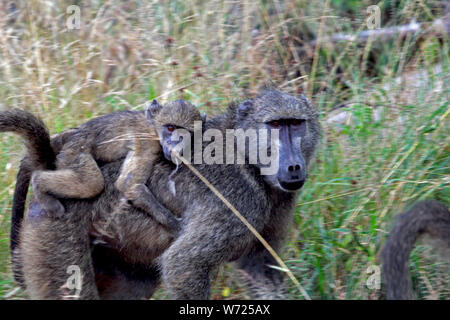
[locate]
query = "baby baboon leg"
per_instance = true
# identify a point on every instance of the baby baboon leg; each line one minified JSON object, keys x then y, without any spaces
{"x":55,"y":257}
{"x":134,"y":170}
{"x":137,"y":166}
{"x":81,"y":179}
{"x":131,"y":182}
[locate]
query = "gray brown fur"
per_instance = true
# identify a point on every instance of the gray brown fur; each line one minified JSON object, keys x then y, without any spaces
{"x":426,"y":217}
{"x":129,"y":257}
{"x":105,"y":139}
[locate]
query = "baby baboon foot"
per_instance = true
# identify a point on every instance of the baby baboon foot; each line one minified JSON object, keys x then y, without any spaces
{"x":124,"y":185}
{"x":130,"y":196}
{"x":135,"y":194}
{"x":174,"y":225}
{"x":125,"y":204}
{"x":52,"y":207}
{"x":140,"y":197}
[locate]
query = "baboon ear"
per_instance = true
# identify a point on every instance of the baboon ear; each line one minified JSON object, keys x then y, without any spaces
{"x":267,"y":86}
{"x":204,"y":116}
{"x":245,"y":108}
{"x":152,"y":110}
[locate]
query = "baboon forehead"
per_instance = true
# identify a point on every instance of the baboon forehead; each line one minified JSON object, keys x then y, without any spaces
{"x":180,"y":113}
{"x":274,"y":104}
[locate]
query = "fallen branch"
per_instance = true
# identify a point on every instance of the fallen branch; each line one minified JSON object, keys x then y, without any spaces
{"x":439,"y":27}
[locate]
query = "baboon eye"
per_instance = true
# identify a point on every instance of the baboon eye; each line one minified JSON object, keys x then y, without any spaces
{"x":274,"y":123}
{"x":170,"y":128}
{"x":297,"y":122}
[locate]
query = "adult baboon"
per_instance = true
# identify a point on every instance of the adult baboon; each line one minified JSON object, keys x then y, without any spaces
{"x":426,"y":217}
{"x":124,"y":256}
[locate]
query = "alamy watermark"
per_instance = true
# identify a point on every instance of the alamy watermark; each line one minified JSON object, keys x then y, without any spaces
{"x":373,"y":21}
{"x":73,"y":21}
{"x":374,"y":280}
{"x":73,"y":285}
{"x":258,"y":146}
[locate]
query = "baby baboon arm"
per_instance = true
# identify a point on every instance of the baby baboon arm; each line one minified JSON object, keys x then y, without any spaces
{"x":80,"y":179}
{"x":135,"y":171}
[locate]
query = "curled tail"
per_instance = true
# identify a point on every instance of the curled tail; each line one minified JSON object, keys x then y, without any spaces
{"x":40,"y":156}
{"x":426,"y":217}
{"x":34,"y":132}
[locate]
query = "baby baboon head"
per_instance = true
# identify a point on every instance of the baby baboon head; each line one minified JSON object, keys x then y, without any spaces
{"x":174,"y":123}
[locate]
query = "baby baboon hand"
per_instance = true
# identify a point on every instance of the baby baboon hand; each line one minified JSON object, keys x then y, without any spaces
{"x":141,"y":197}
{"x":174,"y":225}
{"x":125,"y":205}
{"x":161,"y":214}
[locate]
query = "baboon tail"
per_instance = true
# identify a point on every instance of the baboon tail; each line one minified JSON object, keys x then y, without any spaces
{"x":35,"y":133}
{"x":40,"y":156}
{"x":18,"y":209}
{"x":426,"y":217}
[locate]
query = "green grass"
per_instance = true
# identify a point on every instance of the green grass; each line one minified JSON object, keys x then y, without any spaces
{"x":394,"y":149}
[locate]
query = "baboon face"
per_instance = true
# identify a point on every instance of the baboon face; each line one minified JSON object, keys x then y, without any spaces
{"x":174,"y":123}
{"x":168,"y":142}
{"x":298,"y":131}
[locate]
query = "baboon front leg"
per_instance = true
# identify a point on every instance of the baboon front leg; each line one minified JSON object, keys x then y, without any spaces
{"x":80,"y":179}
{"x":262,"y":281}
{"x":131,"y":182}
{"x":55,"y":257}
{"x":185,"y":274}
{"x":190,"y":262}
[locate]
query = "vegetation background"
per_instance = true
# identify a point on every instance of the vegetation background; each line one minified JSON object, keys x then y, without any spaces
{"x":383,"y":103}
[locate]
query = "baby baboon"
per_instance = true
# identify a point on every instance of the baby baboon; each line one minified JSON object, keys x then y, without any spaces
{"x":130,"y":266}
{"x":426,"y":217}
{"x":106,"y":139}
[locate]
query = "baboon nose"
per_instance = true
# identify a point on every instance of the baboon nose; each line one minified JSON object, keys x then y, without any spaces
{"x":294,"y":172}
{"x":292,"y":177}
{"x":294,"y":167}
